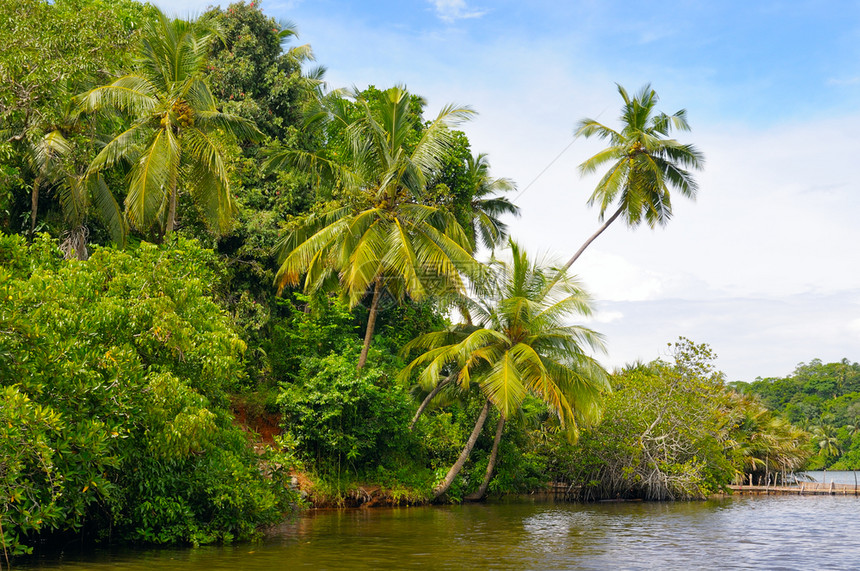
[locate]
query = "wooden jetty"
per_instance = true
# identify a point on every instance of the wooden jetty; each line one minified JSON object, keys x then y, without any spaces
{"x":801,"y":489}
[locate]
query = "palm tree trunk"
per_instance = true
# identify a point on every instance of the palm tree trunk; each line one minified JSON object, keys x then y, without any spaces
{"x":371,"y":323}
{"x":464,"y":455}
{"x":171,"y":213}
{"x":594,"y":237}
{"x":429,"y":398}
{"x":34,"y":205}
{"x":491,"y":464}
{"x":464,"y":311}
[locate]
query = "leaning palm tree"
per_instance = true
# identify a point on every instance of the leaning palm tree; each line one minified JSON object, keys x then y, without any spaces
{"x":381,"y":237}
{"x":176,"y":137}
{"x":520,"y":345}
{"x":643,"y":164}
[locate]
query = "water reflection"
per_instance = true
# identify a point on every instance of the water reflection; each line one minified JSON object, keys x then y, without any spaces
{"x":740,"y":533}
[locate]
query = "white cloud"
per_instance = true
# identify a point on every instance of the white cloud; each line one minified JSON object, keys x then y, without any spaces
{"x":451,"y":10}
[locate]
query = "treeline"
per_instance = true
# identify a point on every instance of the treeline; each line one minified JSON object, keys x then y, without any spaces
{"x":824,"y":399}
{"x":201,"y":240}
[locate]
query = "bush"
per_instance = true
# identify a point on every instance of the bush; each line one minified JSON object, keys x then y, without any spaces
{"x":343,"y":419}
{"x":123,"y":363}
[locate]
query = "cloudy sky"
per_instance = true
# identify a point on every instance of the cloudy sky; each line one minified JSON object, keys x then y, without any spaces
{"x":764,"y":266}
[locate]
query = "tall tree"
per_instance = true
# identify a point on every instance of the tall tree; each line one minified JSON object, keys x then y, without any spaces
{"x":52,"y":51}
{"x":520,"y":345}
{"x":486,"y":205}
{"x":256,"y":73}
{"x":45,"y":157}
{"x":643,"y":164}
{"x":380,"y":236}
{"x":176,"y":136}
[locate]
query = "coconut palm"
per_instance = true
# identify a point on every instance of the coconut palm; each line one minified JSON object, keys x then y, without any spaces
{"x":45,"y":158}
{"x":380,"y":237}
{"x":825,"y":439}
{"x":760,"y":440}
{"x":643,"y":164}
{"x":176,"y":137}
{"x":78,"y":194}
{"x":520,"y":345}
{"x":486,"y":206}
{"x":50,"y":158}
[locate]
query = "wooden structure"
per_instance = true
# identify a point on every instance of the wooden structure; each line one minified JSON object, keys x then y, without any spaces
{"x":802,"y":489}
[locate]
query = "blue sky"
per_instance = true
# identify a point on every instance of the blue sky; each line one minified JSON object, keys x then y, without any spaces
{"x":764,"y":265}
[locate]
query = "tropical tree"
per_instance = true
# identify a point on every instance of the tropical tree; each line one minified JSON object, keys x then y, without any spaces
{"x":826,"y":441}
{"x":255,"y":73}
{"x":51,"y":160}
{"x":486,"y":206}
{"x":176,"y":137}
{"x":760,"y":441}
{"x":643,"y":164}
{"x":380,"y":236}
{"x":520,"y":345}
{"x":78,"y":194}
{"x":45,"y":158}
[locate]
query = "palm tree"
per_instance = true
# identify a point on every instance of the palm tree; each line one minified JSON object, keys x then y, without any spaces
{"x":45,"y":157}
{"x":77,"y":194}
{"x":519,"y":346}
{"x":826,"y":441}
{"x":50,"y":158}
{"x":643,"y":164}
{"x":176,"y":136}
{"x":486,"y":206}
{"x":381,"y":237}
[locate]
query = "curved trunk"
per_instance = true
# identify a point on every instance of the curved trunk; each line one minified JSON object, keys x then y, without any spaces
{"x":464,"y":455}
{"x":582,"y":248}
{"x":371,"y":323}
{"x":428,"y":399}
{"x":594,"y":237}
{"x":491,"y":464}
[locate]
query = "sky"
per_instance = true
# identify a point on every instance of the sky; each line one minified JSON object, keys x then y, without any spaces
{"x":764,"y":265}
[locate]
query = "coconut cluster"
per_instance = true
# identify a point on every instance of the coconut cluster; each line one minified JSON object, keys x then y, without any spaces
{"x":183,"y":113}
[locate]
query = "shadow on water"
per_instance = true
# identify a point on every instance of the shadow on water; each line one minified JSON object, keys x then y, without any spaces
{"x":732,"y":533}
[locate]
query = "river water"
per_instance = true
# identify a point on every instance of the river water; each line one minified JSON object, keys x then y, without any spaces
{"x":775,"y":532}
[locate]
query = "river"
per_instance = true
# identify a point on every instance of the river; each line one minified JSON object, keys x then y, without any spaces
{"x":775,"y":532}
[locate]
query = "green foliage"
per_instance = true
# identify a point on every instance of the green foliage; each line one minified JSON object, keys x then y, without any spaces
{"x":346,"y":420}
{"x":120,"y":365}
{"x":309,"y":327}
{"x":53,"y":50}
{"x":253,"y":75}
{"x":29,"y":482}
{"x":672,"y":431}
{"x":824,"y":398}
{"x":177,"y":137}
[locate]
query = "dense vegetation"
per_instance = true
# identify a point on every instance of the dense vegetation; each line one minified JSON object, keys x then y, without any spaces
{"x":218,"y":276}
{"x":823,"y":398}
